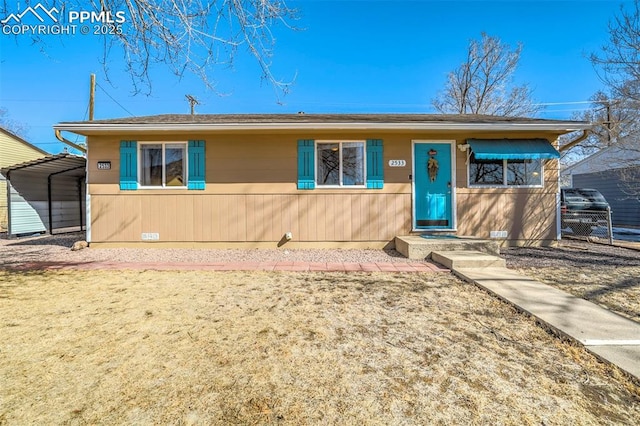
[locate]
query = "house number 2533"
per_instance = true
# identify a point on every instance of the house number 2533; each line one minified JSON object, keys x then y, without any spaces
{"x":397,"y":163}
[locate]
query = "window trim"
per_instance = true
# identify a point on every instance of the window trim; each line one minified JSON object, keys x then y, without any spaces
{"x":504,"y":176}
{"x":340,"y":142}
{"x":164,"y":185}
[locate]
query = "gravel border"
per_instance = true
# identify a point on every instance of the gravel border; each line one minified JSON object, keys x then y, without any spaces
{"x":57,"y":248}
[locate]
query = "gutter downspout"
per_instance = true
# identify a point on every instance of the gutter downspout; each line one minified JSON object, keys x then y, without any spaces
{"x":585,"y":134}
{"x":68,"y":142}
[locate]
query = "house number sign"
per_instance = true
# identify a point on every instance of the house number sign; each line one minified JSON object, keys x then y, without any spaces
{"x":397,"y":163}
{"x":104,"y":165}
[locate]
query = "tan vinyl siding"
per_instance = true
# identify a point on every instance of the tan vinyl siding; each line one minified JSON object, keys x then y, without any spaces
{"x":525,"y":214}
{"x":246,"y":159}
{"x":251,"y":217}
{"x":251,"y":195}
{"x":14,"y":151}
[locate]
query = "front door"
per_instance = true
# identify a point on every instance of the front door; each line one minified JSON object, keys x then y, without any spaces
{"x":432,"y":186}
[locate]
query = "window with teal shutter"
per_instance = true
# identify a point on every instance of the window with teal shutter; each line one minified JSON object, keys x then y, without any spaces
{"x":196,"y":154}
{"x":375,"y":164}
{"x":128,"y":165}
{"x":306,"y":175}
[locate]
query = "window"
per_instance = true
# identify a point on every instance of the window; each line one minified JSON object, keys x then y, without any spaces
{"x":332,"y":164}
{"x":525,"y":172}
{"x":340,"y":164}
{"x":163,"y":164}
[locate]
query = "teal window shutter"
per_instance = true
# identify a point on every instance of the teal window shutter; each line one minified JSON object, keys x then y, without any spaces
{"x":306,"y":160}
{"x":196,"y":179}
{"x":375,"y":164}
{"x":128,"y":165}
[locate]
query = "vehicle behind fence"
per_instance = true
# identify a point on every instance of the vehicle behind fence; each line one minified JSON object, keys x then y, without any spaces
{"x":587,"y":224}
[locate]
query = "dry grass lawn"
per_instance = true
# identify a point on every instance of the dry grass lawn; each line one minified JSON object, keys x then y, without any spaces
{"x":617,"y":289}
{"x":292,"y":348}
{"x":608,"y":276}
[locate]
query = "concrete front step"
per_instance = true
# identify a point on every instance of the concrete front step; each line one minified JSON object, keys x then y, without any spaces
{"x":417,"y":247}
{"x":464,"y":259}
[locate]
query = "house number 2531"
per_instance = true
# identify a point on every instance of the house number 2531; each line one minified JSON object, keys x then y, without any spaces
{"x":397,"y":163}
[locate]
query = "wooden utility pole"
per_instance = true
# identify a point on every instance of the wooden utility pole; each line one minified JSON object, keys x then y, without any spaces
{"x":92,"y":96}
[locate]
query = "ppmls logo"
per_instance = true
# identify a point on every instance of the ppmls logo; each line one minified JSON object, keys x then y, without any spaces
{"x":40,"y":20}
{"x":17,"y":18}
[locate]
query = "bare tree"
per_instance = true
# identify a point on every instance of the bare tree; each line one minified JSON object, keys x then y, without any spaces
{"x":630,"y":181}
{"x":484,"y":83}
{"x":188,"y":36}
{"x":616,"y":128}
{"x":614,"y":123}
{"x":15,"y":127}
{"x":618,"y":65}
{"x":618,"y":62}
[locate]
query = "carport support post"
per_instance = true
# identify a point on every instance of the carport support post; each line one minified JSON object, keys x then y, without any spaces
{"x":50,"y":204}
{"x":8,"y":205}
{"x":80,"y":202}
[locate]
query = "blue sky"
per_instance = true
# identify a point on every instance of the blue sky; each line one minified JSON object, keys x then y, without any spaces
{"x":348,"y":56}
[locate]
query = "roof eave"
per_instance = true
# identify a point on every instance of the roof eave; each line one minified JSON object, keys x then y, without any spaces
{"x":87,"y":129}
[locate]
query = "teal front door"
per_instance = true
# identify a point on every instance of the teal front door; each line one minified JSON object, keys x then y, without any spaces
{"x":432,"y":186}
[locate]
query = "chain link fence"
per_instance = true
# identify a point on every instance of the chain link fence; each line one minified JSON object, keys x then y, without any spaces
{"x":588,"y":225}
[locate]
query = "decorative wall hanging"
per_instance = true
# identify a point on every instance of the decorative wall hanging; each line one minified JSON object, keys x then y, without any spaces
{"x":432,"y":166}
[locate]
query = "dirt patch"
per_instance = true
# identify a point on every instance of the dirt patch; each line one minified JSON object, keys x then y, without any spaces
{"x":293,"y":348}
{"x":606,"y":275}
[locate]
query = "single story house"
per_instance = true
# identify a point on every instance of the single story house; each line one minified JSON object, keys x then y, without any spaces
{"x":615,"y":173}
{"x":319,"y":180}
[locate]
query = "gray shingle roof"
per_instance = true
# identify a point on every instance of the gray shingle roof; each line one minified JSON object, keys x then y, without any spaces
{"x":319,"y":118}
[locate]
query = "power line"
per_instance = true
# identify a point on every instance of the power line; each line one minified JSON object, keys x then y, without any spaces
{"x":346,"y":103}
{"x":564,"y":103}
{"x":86,"y":113}
{"x":118,"y":103}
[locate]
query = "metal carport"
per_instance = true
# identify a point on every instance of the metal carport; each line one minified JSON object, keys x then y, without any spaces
{"x":47,"y":194}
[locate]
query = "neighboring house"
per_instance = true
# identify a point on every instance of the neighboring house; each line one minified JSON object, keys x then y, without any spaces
{"x":13,"y":150}
{"x":331,"y":180}
{"x":615,"y":173}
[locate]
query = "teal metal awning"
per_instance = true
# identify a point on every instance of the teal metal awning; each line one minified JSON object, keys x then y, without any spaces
{"x":513,"y":149}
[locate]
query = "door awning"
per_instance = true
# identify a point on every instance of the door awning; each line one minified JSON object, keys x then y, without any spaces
{"x":513,"y":149}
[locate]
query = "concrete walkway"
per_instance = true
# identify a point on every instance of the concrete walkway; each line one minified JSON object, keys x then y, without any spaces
{"x":607,"y":335}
